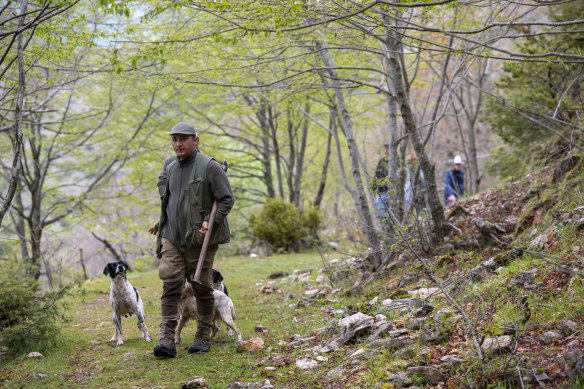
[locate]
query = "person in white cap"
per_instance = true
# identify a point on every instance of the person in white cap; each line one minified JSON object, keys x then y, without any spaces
{"x":454,"y":183}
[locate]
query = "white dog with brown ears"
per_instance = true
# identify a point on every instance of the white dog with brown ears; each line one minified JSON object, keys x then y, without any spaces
{"x":125,"y":300}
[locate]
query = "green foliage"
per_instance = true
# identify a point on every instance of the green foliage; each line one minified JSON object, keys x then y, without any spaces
{"x":508,"y":165}
{"x":281,"y":225}
{"x":531,"y":92}
{"x":30,"y":320}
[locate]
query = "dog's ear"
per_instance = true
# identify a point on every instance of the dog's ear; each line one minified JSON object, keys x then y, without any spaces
{"x":106,"y":270}
{"x":217,"y":277}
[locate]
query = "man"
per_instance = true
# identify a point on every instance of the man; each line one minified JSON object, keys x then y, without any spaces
{"x":454,"y":183}
{"x":381,"y":172}
{"x":188,"y":184}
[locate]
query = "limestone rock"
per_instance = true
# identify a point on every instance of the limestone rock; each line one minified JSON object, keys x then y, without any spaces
{"x":35,"y":354}
{"x":550,"y":337}
{"x":252,"y":345}
{"x":428,"y":373}
{"x":306,"y":363}
{"x":197,"y":382}
{"x":499,"y":344}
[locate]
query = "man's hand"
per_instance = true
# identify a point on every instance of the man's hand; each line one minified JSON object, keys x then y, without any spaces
{"x":204,"y":228}
{"x":154,"y":229}
{"x":451,"y":199}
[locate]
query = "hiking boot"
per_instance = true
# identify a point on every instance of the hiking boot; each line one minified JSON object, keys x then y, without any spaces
{"x":199,"y":346}
{"x":165,"y":349}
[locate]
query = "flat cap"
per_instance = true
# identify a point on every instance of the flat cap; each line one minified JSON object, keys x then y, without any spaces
{"x":183,"y":128}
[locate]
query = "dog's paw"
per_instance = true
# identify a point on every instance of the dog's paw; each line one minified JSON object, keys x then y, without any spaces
{"x":148,"y":338}
{"x":120,"y":342}
{"x":177,"y":340}
{"x":229,"y":332}
{"x":113,"y":339}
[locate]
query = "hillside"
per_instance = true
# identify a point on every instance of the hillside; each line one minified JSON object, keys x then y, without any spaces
{"x":509,"y":273}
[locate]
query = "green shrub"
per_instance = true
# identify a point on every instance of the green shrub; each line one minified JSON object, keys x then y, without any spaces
{"x":30,"y":320}
{"x":281,"y":225}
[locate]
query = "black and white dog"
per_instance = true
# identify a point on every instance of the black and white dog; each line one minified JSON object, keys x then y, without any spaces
{"x":218,"y":282}
{"x":224,"y":310}
{"x":125,"y":300}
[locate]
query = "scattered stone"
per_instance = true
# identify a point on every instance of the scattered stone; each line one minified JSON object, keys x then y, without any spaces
{"x":268,"y":289}
{"x":261,"y":329}
{"x":433,"y":335}
{"x":334,"y":245}
{"x":267,"y":385}
{"x":355,"y":326}
{"x":571,"y":356}
{"x":320,"y":358}
{"x":129,"y":355}
{"x":423,"y":292}
{"x":568,"y":327}
{"x":94,"y":342}
{"x":550,"y":337}
{"x":299,"y":341}
{"x":252,"y":345}
{"x":451,"y":359}
{"x":356,"y":318}
{"x":311,"y":292}
{"x":500,"y":344}
{"x":405,"y":353}
{"x":380,"y":317}
{"x":270,"y":368}
{"x":379,"y":330}
{"x":197,"y":382}
{"x":41,"y":375}
{"x":248,"y":385}
{"x":424,"y":310}
{"x":278,"y":274}
{"x":398,"y":333}
{"x":35,"y":354}
{"x":523,"y":279}
{"x":374,"y":301}
{"x":576,"y":372}
{"x":335,"y":374}
{"x":399,"y":380}
{"x":306,"y":363}
{"x":357,"y":353}
{"x":429,"y":374}
{"x":321,"y":279}
{"x":390,"y":343}
{"x":541,"y":377}
{"x":417,"y":324}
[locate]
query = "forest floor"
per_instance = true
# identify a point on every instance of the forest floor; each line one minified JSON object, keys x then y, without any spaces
{"x":509,"y":278}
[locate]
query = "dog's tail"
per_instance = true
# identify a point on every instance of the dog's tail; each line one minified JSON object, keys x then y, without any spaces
{"x":233,"y":311}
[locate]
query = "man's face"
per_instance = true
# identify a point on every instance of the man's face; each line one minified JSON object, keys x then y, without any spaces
{"x":458,"y":166}
{"x":184,"y":145}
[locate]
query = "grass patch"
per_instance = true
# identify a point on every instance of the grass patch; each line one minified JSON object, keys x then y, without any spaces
{"x":85,"y":358}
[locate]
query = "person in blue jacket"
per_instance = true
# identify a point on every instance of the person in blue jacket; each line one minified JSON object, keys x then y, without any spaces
{"x":454,"y":183}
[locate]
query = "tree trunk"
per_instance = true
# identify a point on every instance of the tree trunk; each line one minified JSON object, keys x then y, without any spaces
{"x":436,"y":208}
{"x":17,"y":140}
{"x":320,"y":191}
{"x":347,"y":127}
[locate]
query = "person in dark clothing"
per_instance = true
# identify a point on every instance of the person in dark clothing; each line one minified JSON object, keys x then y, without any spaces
{"x":188,"y":184}
{"x":454,"y":183}
{"x":381,"y":173}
